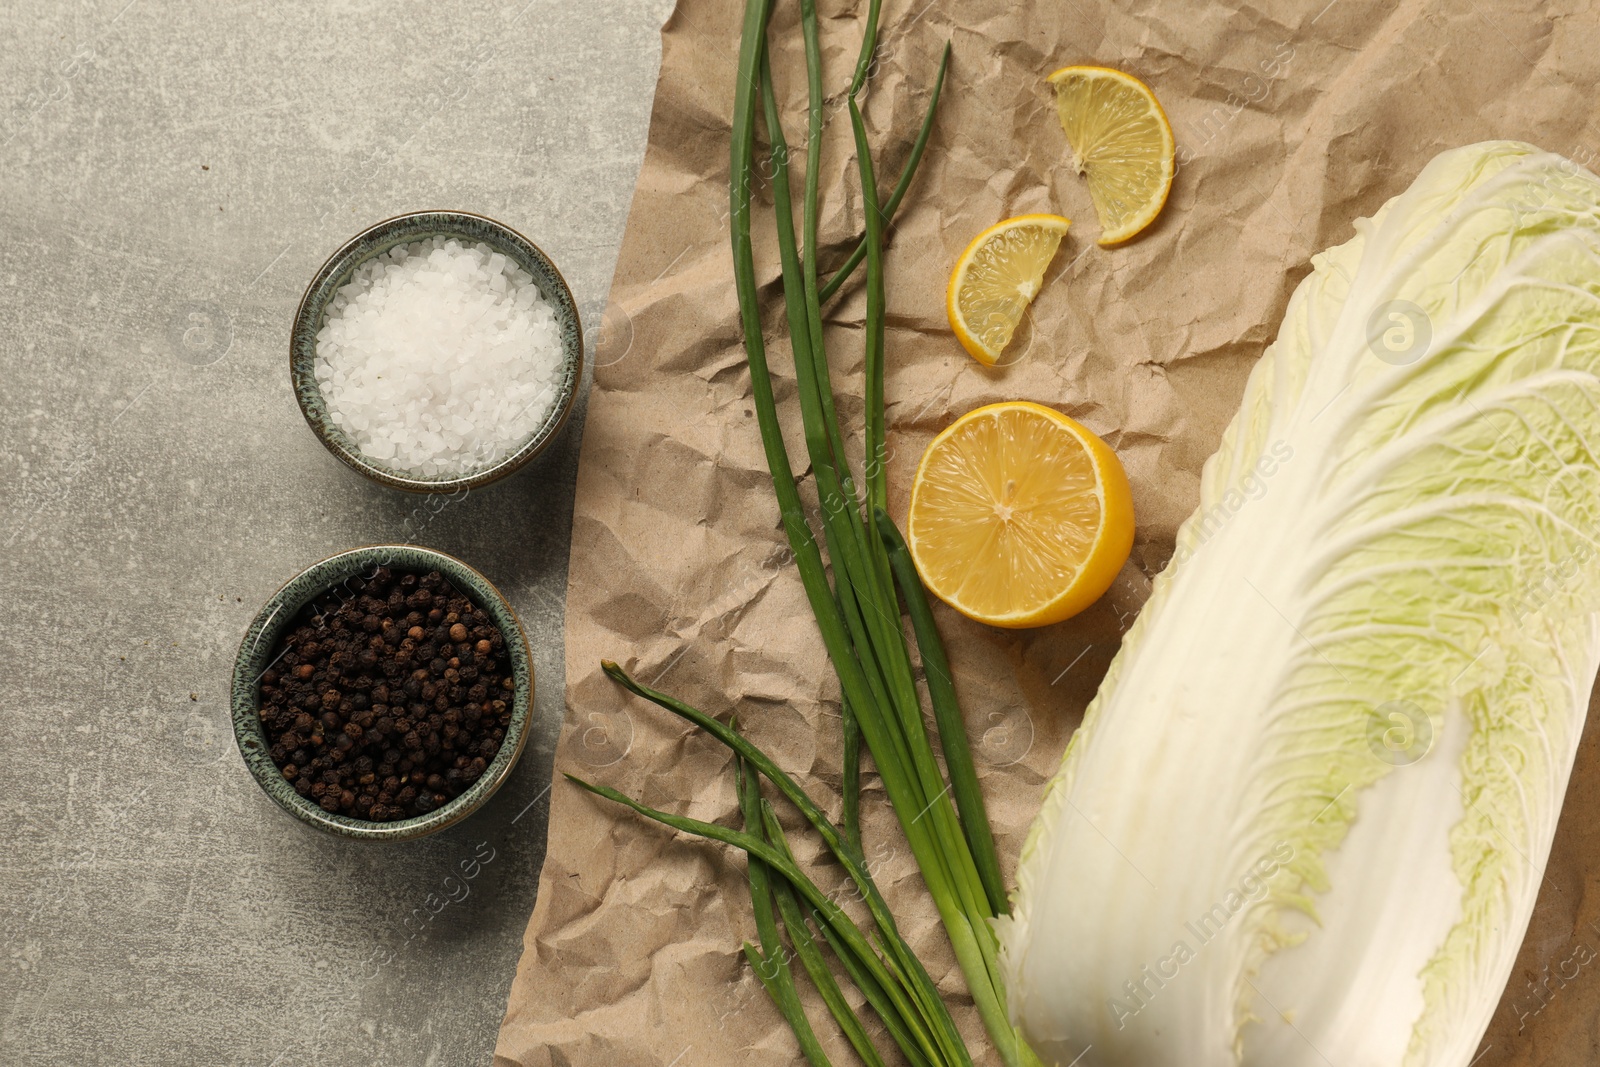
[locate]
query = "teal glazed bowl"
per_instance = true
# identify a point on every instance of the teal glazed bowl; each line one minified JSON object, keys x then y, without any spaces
{"x":323,"y":583}
{"x":378,"y":239}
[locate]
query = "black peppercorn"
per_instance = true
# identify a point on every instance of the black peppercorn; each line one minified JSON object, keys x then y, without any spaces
{"x":377,"y":704}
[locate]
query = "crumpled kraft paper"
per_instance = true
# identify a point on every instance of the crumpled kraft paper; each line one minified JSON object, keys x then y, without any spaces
{"x":1292,"y":120}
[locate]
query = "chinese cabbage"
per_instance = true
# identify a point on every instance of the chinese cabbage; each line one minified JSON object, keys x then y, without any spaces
{"x":1305,"y":820}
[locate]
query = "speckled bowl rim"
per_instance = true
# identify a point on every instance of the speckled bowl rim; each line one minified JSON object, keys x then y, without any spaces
{"x":280,"y":611}
{"x":378,"y":239}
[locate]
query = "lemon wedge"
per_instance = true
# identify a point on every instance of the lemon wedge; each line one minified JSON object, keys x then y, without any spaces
{"x":1019,"y":516}
{"x":997,"y":277}
{"x":1121,"y":143}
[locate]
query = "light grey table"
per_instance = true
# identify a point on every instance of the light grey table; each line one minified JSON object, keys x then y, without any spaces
{"x":171,"y":175}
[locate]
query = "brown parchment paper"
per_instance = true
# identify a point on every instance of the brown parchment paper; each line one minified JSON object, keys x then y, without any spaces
{"x":1292,"y":119}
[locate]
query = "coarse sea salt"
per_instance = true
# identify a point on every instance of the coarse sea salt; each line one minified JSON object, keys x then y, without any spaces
{"x":439,"y":358}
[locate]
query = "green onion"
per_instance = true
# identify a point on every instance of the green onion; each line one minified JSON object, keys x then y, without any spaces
{"x":938,"y":1042}
{"x":869,"y":45}
{"x":858,"y":615}
{"x":848,"y":855}
{"x":799,"y":930}
{"x":892,"y":205}
{"x":771,"y":961}
{"x":947,"y":714}
{"x":800,"y":333}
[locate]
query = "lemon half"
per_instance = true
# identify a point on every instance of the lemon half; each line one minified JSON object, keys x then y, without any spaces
{"x":1019,"y":516}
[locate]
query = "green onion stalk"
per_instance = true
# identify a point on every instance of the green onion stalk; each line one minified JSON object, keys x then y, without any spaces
{"x":859,"y":615}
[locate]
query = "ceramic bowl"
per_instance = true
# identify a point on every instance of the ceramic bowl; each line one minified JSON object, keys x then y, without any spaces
{"x":326,"y":581}
{"x":404,"y":229}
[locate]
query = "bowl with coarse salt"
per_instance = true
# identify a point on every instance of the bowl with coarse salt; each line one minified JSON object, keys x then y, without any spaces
{"x":437,"y":351}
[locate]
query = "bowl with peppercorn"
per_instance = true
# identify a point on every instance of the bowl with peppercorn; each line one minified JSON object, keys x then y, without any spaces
{"x":383,"y":693}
